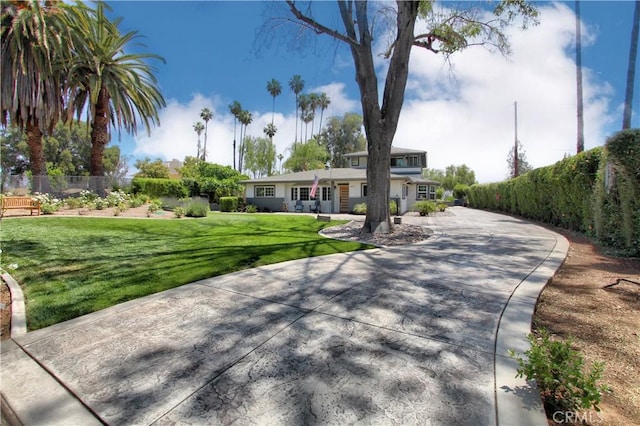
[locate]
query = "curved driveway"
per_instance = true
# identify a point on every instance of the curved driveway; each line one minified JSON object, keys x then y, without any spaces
{"x":408,"y":335}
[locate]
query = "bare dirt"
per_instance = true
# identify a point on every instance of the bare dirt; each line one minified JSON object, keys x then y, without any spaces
{"x":603,"y":321}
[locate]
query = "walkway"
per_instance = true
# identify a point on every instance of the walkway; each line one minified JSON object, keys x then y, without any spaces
{"x":408,"y":335}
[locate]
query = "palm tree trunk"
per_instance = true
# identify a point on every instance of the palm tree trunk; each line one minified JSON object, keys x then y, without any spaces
{"x":99,"y":133}
{"x":36,"y":154}
{"x":204,"y":150}
{"x":234,"y":141}
{"x":580,"y":102}
{"x":295,"y":137}
{"x":631,"y":71}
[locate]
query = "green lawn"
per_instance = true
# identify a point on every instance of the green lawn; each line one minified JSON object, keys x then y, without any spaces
{"x":71,"y":266}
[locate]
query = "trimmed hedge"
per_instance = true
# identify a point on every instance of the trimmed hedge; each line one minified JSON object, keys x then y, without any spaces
{"x":159,"y":187}
{"x":617,"y":196}
{"x":596,"y":192}
{"x":229,"y":204}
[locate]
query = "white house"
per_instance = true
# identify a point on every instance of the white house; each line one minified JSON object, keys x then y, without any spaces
{"x":340,"y":189}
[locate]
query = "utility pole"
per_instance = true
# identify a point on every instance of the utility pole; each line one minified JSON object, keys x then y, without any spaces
{"x":515,"y":146}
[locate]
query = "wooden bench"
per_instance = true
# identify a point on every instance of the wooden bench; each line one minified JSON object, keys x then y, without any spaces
{"x":25,"y":203}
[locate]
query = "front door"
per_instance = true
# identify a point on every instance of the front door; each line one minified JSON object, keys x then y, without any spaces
{"x":344,"y":198}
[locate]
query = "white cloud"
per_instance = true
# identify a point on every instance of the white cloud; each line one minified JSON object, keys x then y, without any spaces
{"x":468,"y":116}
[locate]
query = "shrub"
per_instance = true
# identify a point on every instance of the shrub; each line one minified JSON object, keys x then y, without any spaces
{"x":116,"y":198}
{"x":154,"y":206}
{"x":48,"y":203}
{"x":424,"y":207}
{"x":251,"y":208}
{"x":557,"y":368}
{"x":72,"y":202}
{"x":360,"y":208}
{"x":229,"y":204}
{"x":197,"y":209}
{"x":393,"y":207}
{"x":460,"y":190}
{"x":441,"y":207}
{"x":100,"y":204}
{"x":179,"y":211}
{"x":159,"y":187}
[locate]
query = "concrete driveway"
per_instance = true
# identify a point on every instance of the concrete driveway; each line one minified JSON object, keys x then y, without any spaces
{"x":409,"y":335}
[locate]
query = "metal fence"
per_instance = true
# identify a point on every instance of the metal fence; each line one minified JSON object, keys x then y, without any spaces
{"x":63,"y":186}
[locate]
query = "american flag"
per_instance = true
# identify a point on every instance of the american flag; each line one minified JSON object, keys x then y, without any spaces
{"x":314,"y":188}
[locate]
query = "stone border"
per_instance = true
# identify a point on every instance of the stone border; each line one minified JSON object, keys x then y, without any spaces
{"x":18,"y":311}
{"x":518,"y":401}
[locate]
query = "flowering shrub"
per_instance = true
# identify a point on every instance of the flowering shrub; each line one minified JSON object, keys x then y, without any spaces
{"x":87,"y":197}
{"x":48,"y":203}
{"x":116,"y":198}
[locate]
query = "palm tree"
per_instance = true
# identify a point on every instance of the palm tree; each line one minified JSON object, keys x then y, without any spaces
{"x":580,"y":103}
{"x":280,"y":157}
{"x":305,"y":113}
{"x":245,"y":119}
{"x":235,"y":108}
{"x":274,"y":88}
{"x":206,"y":114}
{"x":32,"y":53}
{"x":631,"y":71}
{"x":323,"y":103}
{"x":296,"y":84}
{"x":270,"y":130}
{"x":198,"y":127}
{"x":118,"y":88}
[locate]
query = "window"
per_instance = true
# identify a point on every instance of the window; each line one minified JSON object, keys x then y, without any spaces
{"x":397,"y":162}
{"x":355,"y":161}
{"x":405,"y":191}
{"x":265,"y":191}
{"x":294,"y":193}
{"x":422,"y":192}
{"x":412,"y":161}
{"x":304,"y":193}
{"x":364,"y":190}
{"x":432,"y":192}
{"x":326,"y":193}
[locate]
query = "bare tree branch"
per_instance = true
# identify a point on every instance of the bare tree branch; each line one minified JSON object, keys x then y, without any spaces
{"x":316,"y":26}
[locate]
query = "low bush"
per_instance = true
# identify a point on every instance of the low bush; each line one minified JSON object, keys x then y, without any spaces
{"x":229,"y":204}
{"x":197,"y":209}
{"x":425,"y":207}
{"x":557,"y":369}
{"x":179,"y":212}
{"x":251,"y":208}
{"x":360,"y":208}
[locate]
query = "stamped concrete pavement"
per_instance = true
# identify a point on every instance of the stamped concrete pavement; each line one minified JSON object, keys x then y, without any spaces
{"x":408,"y":335}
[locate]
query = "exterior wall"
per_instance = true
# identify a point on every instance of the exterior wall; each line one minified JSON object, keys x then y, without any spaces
{"x":270,"y":204}
{"x":407,"y":194}
{"x":361,"y":162}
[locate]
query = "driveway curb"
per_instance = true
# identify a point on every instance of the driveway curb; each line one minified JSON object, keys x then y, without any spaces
{"x":517,"y":400}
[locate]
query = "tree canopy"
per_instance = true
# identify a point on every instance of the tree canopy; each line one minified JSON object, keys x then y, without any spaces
{"x":342,"y":136}
{"x":443,"y":31}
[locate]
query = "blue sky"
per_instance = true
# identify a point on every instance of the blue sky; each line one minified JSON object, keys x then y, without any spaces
{"x":459,"y":113}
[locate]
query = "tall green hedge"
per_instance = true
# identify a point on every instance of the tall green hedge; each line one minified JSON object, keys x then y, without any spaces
{"x":617,"y":197}
{"x":596,"y":192}
{"x":159,"y":187}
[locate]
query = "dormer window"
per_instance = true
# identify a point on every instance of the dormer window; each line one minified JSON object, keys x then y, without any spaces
{"x":355,"y":161}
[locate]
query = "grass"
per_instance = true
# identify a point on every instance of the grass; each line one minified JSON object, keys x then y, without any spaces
{"x":71,"y":266}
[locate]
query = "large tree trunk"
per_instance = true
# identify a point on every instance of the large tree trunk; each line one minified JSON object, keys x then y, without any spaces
{"x":380,"y":123}
{"x":36,"y":155}
{"x":99,"y":133}
{"x":631,"y":71}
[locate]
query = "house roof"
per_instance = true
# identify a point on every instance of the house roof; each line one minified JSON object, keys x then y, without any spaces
{"x":394,"y":151}
{"x":324,"y":175}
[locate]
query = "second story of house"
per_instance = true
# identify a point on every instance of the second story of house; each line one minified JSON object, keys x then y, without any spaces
{"x":403,"y":160}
